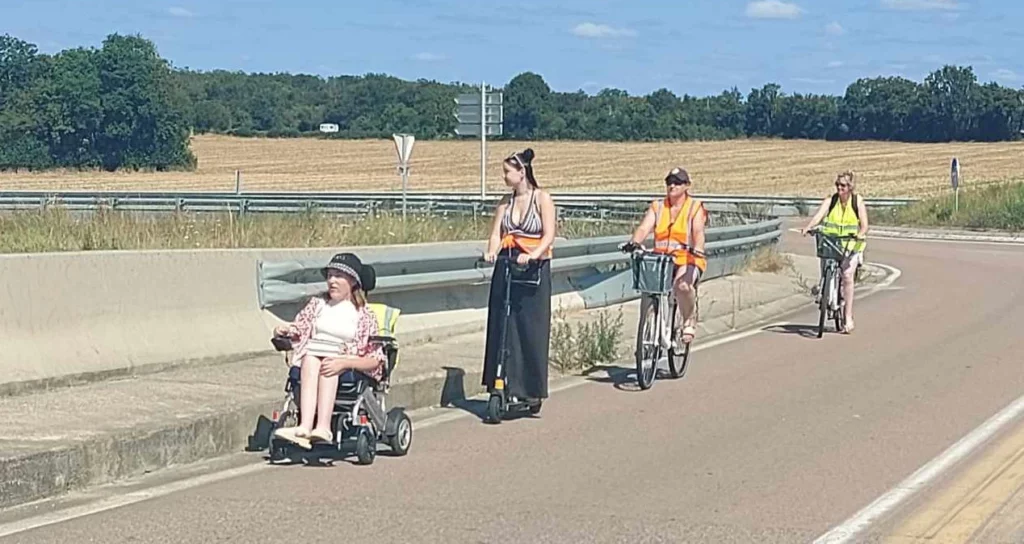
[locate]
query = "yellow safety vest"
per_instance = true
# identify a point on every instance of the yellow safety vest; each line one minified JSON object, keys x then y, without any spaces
{"x":843,"y":221}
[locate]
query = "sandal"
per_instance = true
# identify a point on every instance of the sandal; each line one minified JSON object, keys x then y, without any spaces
{"x":690,"y":331}
{"x":290,"y":434}
{"x":321,"y":436}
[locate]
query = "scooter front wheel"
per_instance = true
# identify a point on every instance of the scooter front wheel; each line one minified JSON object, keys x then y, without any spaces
{"x":494,"y":409}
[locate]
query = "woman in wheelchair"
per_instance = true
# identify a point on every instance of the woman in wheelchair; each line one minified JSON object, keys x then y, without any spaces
{"x":331,"y":336}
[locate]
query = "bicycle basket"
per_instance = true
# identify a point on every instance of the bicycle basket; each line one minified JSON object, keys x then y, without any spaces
{"x":829,"y":248}
{"x":652,"y":273}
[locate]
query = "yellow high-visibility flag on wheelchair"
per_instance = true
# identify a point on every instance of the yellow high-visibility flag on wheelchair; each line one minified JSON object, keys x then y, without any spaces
{"x":387,"y":320}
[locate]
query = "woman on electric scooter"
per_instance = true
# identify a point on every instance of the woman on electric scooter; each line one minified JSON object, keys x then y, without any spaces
{"x":524,"y":228}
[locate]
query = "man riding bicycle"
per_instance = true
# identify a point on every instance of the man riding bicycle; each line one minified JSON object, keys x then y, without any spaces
{"x":678,"y":223}
{"x":844,"y":214}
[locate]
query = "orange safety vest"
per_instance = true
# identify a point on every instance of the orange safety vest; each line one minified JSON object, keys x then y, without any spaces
{"x":676,"y":238}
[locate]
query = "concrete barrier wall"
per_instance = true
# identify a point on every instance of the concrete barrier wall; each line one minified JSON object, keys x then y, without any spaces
{"x":70,"y":317}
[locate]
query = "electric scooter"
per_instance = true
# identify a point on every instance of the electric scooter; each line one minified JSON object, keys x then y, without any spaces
{"x":501,"y":403}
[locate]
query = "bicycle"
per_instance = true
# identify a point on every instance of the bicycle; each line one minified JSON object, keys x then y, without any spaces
{"x":653,"y":276}
{"x":831,"y":303}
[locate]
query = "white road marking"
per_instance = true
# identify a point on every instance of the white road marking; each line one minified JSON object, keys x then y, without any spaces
{"x":133,"y":497}
{"x":444,"y":415}
{"x":935,"y":468}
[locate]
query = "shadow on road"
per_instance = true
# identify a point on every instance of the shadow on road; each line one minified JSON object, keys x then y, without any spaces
{"x":621,"y":378}
{"x":453,"y":395}
{"x":806,"y":331}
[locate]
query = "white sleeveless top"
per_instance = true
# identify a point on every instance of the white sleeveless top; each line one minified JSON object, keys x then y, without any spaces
{"x":335,"y":327}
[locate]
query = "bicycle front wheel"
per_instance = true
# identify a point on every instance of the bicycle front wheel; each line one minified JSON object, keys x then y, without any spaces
{"x":677,"y":360}
{"x":826,"y":296}
{"x":648,"y":344}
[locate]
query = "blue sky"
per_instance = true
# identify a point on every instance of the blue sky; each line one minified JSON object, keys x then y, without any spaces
{"x":699,"y":47}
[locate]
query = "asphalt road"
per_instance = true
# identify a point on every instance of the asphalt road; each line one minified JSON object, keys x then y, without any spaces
{"x":776,"y":437}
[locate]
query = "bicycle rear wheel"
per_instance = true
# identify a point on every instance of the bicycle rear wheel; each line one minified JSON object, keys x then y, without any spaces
{"x":840,"y":317}
{"x":648,"y":346}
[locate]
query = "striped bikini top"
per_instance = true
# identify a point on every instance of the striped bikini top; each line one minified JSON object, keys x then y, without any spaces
{"x":530,"y":225}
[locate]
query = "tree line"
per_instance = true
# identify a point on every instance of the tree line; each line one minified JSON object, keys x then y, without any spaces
{"x":123,"y":106}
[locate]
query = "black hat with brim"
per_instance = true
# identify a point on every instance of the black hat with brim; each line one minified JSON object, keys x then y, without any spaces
{"x":350,"y":265}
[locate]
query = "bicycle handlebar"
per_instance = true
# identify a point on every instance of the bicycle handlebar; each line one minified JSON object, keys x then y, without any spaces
{"x":817,"y":232}
{"x":637,"y":249}
{"x":482,"y":260}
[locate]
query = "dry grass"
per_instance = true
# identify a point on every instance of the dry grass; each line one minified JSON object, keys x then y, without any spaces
{"x":769,"y":260}
{"x":802,"y":168}
{"x":58,"y":230}
{"x":589,"y":343}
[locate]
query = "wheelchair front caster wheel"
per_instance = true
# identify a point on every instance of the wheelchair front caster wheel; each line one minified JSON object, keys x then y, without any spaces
{"x":494,"y":409}
{"x":366,"y":447}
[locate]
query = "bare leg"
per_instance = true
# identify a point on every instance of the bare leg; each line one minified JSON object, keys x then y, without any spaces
{"x":308,"y":392}
{"x":686,"y":296}
{"x":325,"y":404}
{"x":849,"y":276}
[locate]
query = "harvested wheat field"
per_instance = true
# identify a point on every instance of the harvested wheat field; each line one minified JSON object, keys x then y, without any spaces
{"x":763,"y":167}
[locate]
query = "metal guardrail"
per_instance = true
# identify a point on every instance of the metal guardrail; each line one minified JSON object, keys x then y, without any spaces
{"x":597,"y":267}
{"x":601,"y":205}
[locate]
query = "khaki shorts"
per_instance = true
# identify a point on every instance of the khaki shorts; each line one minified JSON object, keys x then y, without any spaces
{"x":690,"y":274}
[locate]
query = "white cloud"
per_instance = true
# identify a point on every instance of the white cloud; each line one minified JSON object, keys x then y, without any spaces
{"x":180,"y":12}
{"x":593,"y":30}
{"x":921,"y":5}
{"x":835,"y":64}
{"x":773,"y":9}
{"x":834,"y":29}
{"x":428,"y":57}
{"x":1006,"y":75}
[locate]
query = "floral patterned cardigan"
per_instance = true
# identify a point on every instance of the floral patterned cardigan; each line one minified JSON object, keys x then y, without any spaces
{"x":302,"y":330}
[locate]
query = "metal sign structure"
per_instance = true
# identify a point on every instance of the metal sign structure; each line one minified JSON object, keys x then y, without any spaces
{"x":954,"y":180}
{"x":480,"y":115}
{"x":403,"y":146}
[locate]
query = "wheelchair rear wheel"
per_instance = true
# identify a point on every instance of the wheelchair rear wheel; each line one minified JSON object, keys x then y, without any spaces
{"x":402,"y":439}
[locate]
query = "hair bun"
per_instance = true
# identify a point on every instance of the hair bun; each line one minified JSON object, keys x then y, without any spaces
{"x":527,"y":155}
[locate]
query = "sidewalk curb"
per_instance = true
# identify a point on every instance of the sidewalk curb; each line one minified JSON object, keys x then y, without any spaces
{"x":135,"y":452}
{"x":948,"y":235}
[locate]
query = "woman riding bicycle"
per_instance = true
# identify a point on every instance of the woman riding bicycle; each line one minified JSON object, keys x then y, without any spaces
{"x":678,"y":223}
{"x":524,"y":229}
{"x":844,"y":214}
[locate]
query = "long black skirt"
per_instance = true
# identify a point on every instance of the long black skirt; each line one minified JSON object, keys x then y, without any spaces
{"x":529,"y":333}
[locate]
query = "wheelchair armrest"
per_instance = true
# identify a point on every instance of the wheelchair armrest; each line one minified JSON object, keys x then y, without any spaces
{"x":389,"y":343}
{"x":282,"y":343}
